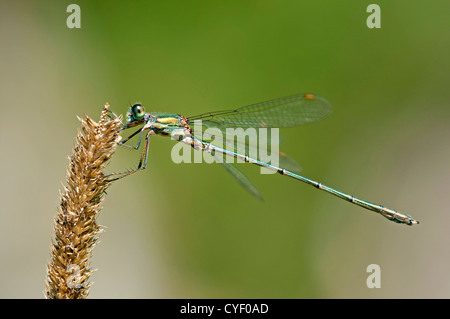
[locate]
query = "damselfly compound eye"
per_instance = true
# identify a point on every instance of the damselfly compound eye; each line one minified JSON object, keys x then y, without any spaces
{"x":138,"y":111}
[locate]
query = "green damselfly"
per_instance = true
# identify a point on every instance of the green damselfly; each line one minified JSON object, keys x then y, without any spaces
{"x":283,"y":112}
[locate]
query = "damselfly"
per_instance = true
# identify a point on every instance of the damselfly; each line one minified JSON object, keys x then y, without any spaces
{"x":284,"y":112}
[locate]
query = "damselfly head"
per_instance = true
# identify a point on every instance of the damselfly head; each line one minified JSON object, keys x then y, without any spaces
{"x":136,"y":113}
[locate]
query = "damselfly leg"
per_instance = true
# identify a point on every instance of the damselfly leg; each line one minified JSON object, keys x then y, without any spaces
{"x":143,"y":161}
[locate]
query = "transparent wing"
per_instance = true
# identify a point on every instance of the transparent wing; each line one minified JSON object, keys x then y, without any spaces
{"x":244,"y":144}
{"x":243,"y":180}
{"x":289,"y":111}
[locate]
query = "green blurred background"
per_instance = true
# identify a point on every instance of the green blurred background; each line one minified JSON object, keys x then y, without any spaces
{"x":190,"y":231}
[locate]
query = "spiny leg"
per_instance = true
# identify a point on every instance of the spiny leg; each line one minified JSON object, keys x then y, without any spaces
{"x":142,"y":162}
{"x":132,"y":135}
{"x":115,"y":117}
{"x":144,"y":156}
{"x":124,"y":126}
{"x":130,"y":146}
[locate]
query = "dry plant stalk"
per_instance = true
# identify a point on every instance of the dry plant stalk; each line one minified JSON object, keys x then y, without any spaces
{"x":76,"y":228}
